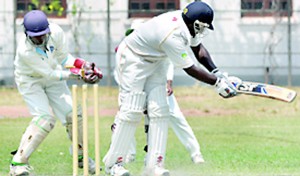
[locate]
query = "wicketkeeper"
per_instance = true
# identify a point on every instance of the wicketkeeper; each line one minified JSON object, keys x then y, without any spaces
{"x":141,"y":67}
{"x":40,"y":75}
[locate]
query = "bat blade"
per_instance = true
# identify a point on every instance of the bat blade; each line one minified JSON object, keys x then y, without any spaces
{"x":266,"y":90}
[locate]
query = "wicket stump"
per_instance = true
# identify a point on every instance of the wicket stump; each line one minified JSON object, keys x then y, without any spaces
{"x":85,"y":129}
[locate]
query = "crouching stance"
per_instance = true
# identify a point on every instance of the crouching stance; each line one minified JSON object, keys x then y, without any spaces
{"x":41,"y":79}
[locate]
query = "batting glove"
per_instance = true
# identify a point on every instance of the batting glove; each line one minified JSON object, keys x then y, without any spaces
{"x":225,"y":88}
{"x":235,"y":81}
{"x":220,"y":74}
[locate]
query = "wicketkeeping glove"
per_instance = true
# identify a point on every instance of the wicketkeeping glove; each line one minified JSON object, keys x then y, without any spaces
{"x":86,"y":71}
{"x":92,"y":74}
{"x":225,"y":88}
{"x":76,"y":72}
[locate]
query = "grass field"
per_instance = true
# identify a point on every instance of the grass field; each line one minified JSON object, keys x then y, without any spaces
{"x":241,"y":136}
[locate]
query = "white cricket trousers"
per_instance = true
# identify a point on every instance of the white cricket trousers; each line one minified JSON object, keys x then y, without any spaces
{"x":181,"y":127}
{"x":44,"y":97}
{"x":136,"y":74}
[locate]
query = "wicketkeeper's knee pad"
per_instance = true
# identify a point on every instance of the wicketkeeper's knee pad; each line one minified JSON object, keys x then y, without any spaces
{"x":157,"y":103}
{"x":132,"y":107}
{"x":35,"y":133}
{"x":45,"y":123}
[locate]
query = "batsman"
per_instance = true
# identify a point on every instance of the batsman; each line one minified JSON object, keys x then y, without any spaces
{"x":40,"y":76}
{"x":141,"y":62}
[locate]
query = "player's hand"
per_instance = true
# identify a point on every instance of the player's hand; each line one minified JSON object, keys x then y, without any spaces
{"x":76,"y":73}
{"x":169,"y":87}
{"x":86,"y":71}
{"x":91,"y":74}
{"x":225,"y":88}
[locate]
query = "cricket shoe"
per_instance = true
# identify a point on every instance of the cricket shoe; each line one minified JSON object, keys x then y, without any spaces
{"x":92,"y":165}
{"x":156,"y":171}
{"x":117,"y":170}
{"x":21,"y":170}
{"x":160,"y":171}
{"x":198,"y":159}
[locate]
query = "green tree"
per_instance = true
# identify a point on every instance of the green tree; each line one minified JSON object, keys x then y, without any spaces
{"x":54,"y":7}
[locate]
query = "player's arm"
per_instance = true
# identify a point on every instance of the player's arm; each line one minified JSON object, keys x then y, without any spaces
{"x":223,"y":87}
{"x":39,"y":66}
{"x":176,"y":51}
{"x":201,"y":75}
{"x":78,"y":67}
{"x":84,"y":70}
{"x":204,"y":58}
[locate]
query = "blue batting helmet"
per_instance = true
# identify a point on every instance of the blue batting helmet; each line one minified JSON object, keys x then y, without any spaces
{"x":199,"y":11}
{"x":36,"y":23}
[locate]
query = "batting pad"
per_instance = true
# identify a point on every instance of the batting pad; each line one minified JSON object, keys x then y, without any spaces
{"x":157,"y":142}
{"x":157,"y":102}
{"x":121,"y":141}
{"x":132,"y":148}
{"x":158,"y":113}
{"x":35,"y":133}
{"x":129,"y":116}
{"x":132,"y":106}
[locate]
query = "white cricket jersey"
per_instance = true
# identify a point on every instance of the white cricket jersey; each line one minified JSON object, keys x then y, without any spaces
{"x":32,"y":62}
{"x":161,"y":36}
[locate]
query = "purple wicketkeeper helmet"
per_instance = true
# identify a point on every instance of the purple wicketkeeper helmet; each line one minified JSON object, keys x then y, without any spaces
{"x":36,"y":23}
{"x":200,"y":14}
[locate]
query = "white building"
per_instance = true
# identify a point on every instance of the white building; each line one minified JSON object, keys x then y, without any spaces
{"x":253,"y":46}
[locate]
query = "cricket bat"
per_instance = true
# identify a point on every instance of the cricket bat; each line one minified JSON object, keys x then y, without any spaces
{"x":266,"y":90}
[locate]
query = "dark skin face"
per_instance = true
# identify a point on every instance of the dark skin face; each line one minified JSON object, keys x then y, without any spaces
{"x":191,"y":29}
{"x":38,"y":40}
